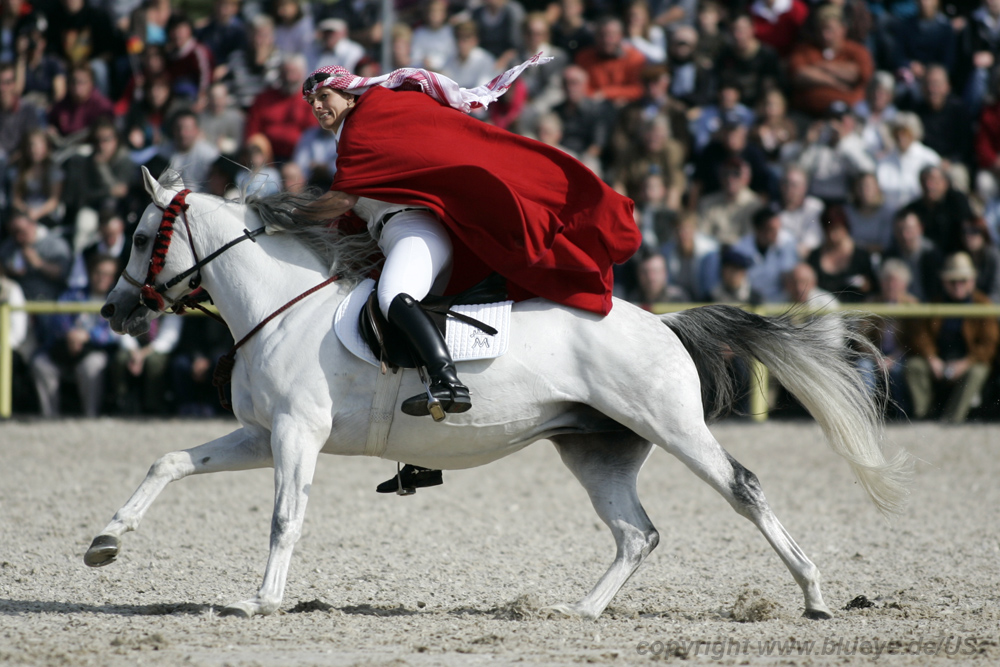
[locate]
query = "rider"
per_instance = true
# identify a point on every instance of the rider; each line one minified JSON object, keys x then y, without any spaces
{"x":441,"y":190}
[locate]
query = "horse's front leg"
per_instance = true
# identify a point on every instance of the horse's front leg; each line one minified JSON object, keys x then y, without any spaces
{"x":295,"y":450}
{"x":242,"y":449}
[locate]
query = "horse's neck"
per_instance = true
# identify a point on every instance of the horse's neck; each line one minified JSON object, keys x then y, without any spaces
{"x":253,"y":279}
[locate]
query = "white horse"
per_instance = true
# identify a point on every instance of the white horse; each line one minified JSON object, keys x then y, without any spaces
{"x":603,"y":390}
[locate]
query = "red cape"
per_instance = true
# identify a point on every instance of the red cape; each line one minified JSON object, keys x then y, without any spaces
{"x":513,"y":205}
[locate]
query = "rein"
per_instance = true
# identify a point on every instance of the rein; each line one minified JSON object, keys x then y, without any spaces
{"x":224,"y":366}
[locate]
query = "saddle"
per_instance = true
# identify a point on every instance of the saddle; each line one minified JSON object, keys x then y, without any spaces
{"x":389,"y":344}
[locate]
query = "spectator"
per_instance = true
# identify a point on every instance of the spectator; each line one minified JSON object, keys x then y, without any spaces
{"x":111,"y":242}
{"x":887,"y":334}
{"x":711,"y":39}
{"x":657,"y":154}
{"x":433,"y":42}
{"x":84,"y":104}
{"x":952,"y":356}
{"x":189,"y":64}
{"x":868,"y":214}
{"x":316,"y":148}
{"x":585,"y":121}
{"x":941,"y":209}
{"x":899,"y":172}
{"x":728,"y":109}
{"x":830,"y":69}
{"x":801,"y":211}
{"x":987,"y":150}
{"x":41,"y":75}
{"x":734,"y":285}
{"x":753,"y":64}
{"x":772,"y":253}
{"x":293,"y":26}
{"x":778,"y":23}
{"x":655,"y":100}
{"x":985,"y":257}
{"x":38,"y":186}
{"x":692,"y":258}
{"x":775,"y":133}
{"x":279,"y":114}
{"x":726,"y":215}
{"x":334,"y":47}
{"x":923,"y":258}
{"x":947,"y":125}
{"x":471,"y":65}
{"x":572,"y":32}
{"x":189,"y":154}
{"x":877,"y":112}
{"x":979,"y":45}
{"x":801,"y":288}
{"x":258,"y":67}
{"x":692,"y":83}
{"x":258,"y":178}
{"x":106,"y":175}
{"x":842,"y":267}
{"x":550,"y":133}
{"x":642,"y":34}
{"x":202,"y":341}
{"x":924,"y":39}
{"x":222,"y":122}
{"x":38,"y":260}
{"x":17,"y":118}
{"x":614,"y":68}
{"x":499,"y":25}
{"x":139,"y":371}
{"x":292,"y":178}
{"x":152,"y":64}
{"x":83,"y":36}
{"x":655,"y":213}
{"x":77,"y":346}
{"x":544,"y":82}
{"x":835,"y":155}
{"x":146,"y":121}
{"x":223,"y":35}
{"x":653,"y":281}
{"x":732,"y":142}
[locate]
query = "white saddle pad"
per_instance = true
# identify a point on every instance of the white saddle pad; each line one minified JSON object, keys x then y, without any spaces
{"x":465,"y":341}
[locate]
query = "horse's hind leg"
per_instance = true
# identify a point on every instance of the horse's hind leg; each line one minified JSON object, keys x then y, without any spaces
{"x":702,"y":453}
{"x":240,"y":450}
{"x":607,"y":467}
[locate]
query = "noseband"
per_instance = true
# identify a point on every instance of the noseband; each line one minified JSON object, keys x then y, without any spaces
{"x":154,"y":296}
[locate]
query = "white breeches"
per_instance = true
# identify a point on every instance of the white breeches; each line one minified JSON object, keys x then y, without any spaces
{"x":417,"y":253}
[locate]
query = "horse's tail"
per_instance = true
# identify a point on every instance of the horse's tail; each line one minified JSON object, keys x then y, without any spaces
{"x":814,"y":359}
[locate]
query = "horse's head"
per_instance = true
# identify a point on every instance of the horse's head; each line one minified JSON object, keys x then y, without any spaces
{"x":141,"y":294}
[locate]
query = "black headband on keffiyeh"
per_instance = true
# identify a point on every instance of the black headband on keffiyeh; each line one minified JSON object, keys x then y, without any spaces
{"x":438,"y":86}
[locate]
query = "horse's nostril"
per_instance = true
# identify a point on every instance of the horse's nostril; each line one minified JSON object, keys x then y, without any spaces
{"x":108,"y":311}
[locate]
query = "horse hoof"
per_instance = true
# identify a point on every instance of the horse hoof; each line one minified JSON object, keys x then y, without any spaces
{"x":563,"y":611}
{"x":817,"y":615}
{"x":235,"y":611}
{"x":103,"y":551}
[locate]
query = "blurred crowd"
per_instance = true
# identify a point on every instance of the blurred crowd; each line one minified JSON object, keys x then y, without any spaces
{"x":784,"y":151}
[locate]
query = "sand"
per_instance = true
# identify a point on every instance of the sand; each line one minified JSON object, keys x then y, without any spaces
{"x":455,"y":575}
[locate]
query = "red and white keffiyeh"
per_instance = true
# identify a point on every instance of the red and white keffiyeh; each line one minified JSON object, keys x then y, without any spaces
{"x":438,"y":86}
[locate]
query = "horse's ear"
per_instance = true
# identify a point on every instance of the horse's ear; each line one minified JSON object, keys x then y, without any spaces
{"x":161,"y":196}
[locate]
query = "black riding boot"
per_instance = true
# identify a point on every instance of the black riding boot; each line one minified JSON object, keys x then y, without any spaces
{"x":428,"y":345}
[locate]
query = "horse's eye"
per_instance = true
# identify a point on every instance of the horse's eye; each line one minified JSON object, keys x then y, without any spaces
{"x":140,"y":240}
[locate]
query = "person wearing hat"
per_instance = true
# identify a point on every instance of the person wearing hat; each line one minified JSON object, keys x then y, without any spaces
{"x":334,"y":47}
{"x":438,"y":189}
{"x":734,"y":287}
{"x":951,"y":357}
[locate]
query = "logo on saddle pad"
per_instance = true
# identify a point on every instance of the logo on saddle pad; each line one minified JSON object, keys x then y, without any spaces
{"x":465,"y":341}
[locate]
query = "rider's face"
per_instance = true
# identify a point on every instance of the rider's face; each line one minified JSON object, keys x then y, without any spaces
{"x":330,"y":107}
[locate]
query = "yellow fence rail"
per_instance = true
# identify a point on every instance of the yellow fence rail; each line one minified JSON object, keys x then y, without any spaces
{"x":758,"y":390}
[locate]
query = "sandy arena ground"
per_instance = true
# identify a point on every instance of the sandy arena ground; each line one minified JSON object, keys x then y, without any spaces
{"x":455,"y":575}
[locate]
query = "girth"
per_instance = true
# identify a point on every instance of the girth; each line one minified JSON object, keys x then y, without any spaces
{"x":389,"y":343}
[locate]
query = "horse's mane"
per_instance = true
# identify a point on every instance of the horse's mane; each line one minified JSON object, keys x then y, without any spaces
{"x":352,"y":256}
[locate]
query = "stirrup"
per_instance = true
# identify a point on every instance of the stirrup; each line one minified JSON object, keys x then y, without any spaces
{"x":439,"y":399}
{"x":409,"y":479}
